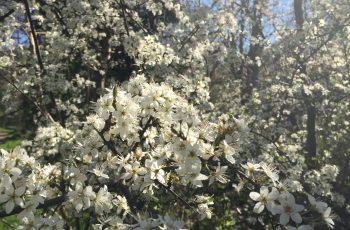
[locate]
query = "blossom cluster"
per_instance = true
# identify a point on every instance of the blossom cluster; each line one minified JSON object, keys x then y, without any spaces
{"x":143,"y":138}
{"x":144,"y":145}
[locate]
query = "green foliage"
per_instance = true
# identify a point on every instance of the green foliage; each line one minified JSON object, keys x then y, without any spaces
{"x":12,"y":139}
{"x":8,"y":223}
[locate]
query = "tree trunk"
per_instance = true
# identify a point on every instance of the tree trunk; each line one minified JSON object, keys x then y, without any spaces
{"x":254,"y":52}
{"x":311,"y":145}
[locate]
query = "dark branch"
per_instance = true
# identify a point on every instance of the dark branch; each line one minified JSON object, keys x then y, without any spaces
{"x":189,"y":36}
{"x":58,"y":16}
{"x":141,"y":133}
{"x":176,"y":195}
{"x":126,"y":25}
{"x":45,"y":114}
{"x":32,"y":28}
{"x":3,"y":17}
{"x":46,"y":204}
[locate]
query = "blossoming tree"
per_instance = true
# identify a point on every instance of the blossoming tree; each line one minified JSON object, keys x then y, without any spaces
{"x":153,"y":151}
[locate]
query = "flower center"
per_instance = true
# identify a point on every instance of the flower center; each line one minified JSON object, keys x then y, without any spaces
{"x":287,"y":209}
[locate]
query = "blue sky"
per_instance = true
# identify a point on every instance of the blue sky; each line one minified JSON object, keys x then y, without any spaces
{"x":282,"y":8}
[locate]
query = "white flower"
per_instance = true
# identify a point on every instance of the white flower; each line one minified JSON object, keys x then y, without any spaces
{"x":271,"y":172}
{"x":156,"y":171}
{"x":171,"y":224}
{"x":133,"y":171}
{"x":104,"y":105}
{"x":328,"y":218}
{"x":228,"y":152}
{"x":15,"y":172}
{"x":80,"y":197}
{"x":239,"y":186}
{"x":264,"y":198}
{"x":150,"y":135}
{"x":204,"y":211}
{"x":322,"y":208}
{"x":99,"y":172}
{"x":195,"y":179}
{"x":117,"y":223}
{"x":11,"y":197}
{"x":103,"y":201}
{"x":96,"y":121}
{"x":319,"y":205}
{"x":300,"y":227}
{"x":190,"y":172}
{"x":288,"y":209}
{"x":330,"y":171}
{"x":251,"y":168}
{"x":122,"y":161}
{"x":122,"y":204}
{"x":203,"y":205}
{"x":207,"y":151}
{"x":30,"y":207}
{"x":218,"y":175}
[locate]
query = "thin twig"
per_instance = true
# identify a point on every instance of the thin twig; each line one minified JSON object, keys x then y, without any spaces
{"x":240,"y":173}
{"x":280,"y":151}
{"x":126,"y":25}
{"x":46,"y":204}
{"x":109,"y":144}
{"x":58,"y":16}
{"x":141,"y":133}
{"x":32,"y":28}
{"x":3,"y":17}
{"x":10,"y":113}
{"x":47,"y":116}
{"x":176,"y":195}
{"x":189,"y":36}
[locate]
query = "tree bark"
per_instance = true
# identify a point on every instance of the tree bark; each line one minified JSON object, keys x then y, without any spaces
{"x":254,"y":52}
{"x":311,"y":144}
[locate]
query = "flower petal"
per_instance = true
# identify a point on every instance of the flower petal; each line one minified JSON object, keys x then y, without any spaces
{"x":274,"y":194}
{"x":311,"y":199}
{"x":259,"y":207}
{"x":15,"y":171}
{"x":327,"y":212}
{"x":298,"y":207}
{"x":284,"y":219}
{"x":296,"y":217}
{"x":274,"y":208}
{"x":4,"y":198}
{"x":19,"y":191}
{"x":254,"y":196}
{"x":264,"y":190}
{"x":9,"y":206}
{"x":201,"y":177}
{"x":290,"y":199}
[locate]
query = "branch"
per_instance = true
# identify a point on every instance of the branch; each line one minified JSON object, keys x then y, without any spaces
{"x":240,"y":173}
{"x":176,"y":195}
{"x":122,"y":4}
{"x":36,"y":44}
{"x":141,"y":133}
{"x":189,"y":36}
{"x":37,"y":51}
{"x":57,"y":14}
{"x":46,"y":204}
{"x":45,"y":114}
{"x":179,"y":134}
{"x":109,"y":144}
{"x":10,"y":113}
{"x":3,"y":17}
{"x":280,"y":151}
